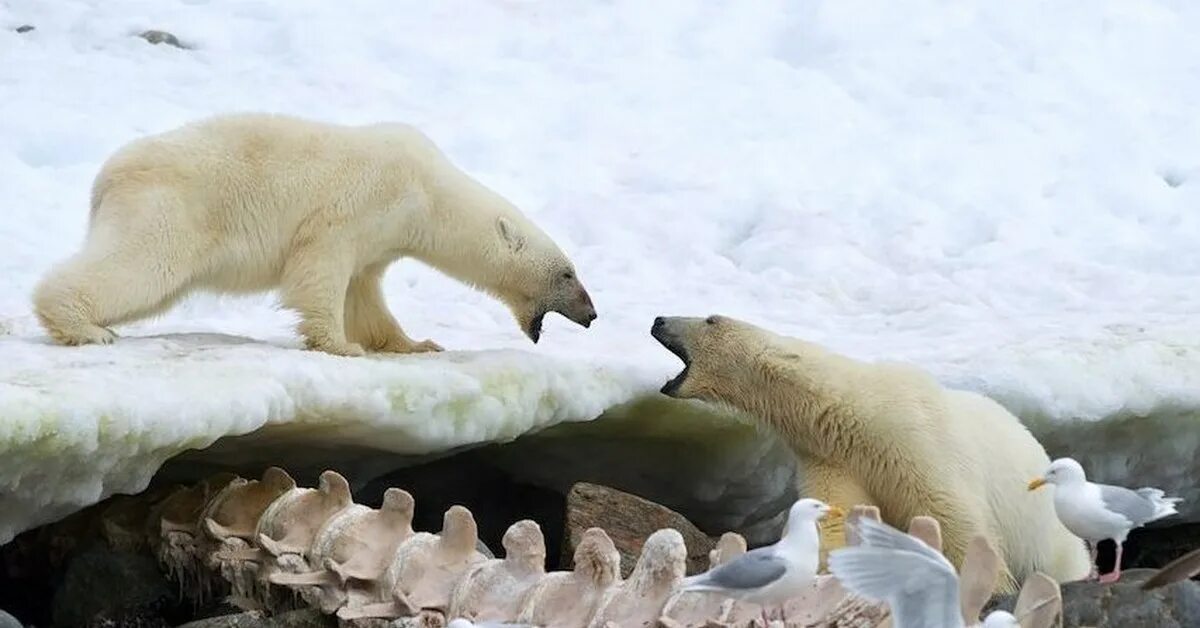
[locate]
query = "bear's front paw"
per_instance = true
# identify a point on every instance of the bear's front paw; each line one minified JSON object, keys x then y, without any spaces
{"x":396,"y":345}
{"x":427,"y":346}
{"x":347,"y":349}
{"x":88,"y":335}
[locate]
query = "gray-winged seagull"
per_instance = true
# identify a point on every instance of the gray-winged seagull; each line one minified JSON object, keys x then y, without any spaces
{"x":918,"y":584}
{"x":772,"y":574}
{"x":1094,"y":512}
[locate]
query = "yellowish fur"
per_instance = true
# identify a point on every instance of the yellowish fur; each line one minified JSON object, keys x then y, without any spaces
{"x":246,"y":203}
{"x":888,"y":435}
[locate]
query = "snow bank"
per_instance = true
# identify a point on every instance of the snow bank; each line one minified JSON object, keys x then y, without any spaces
{"x":1004,"y":194}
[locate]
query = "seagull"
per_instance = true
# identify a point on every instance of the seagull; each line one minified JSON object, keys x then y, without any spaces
{"x":772,"y":574}
{"x":1094,"y":512}
{"x":918,"y":584}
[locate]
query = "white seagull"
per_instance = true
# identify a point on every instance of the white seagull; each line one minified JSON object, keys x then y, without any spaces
{"x":1094,"y":512}
{"x":772,"y":574}
{"x":918,"y":584}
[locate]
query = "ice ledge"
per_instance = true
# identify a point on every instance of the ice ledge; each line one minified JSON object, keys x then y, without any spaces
{"x":80,"y":424}
{"x":77,"y":425}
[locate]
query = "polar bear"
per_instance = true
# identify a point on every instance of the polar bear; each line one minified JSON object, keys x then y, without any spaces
{"x":249,"y":202}
{"x":883,"y":434}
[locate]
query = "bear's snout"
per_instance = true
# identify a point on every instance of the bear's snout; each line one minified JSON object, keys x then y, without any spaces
{"x":663,"y":331}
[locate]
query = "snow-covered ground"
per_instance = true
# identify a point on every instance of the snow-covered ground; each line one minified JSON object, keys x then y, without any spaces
{"x":1005,"y":193}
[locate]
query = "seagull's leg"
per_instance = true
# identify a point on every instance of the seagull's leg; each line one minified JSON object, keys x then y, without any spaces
{"x":1093,"y":551}
{"x":1115,"y":574}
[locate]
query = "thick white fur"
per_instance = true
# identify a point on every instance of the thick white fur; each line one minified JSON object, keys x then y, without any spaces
{"x":890,"y":435}
{"x":251,"y":202}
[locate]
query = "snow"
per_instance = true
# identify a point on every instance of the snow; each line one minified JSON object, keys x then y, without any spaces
{"x":1006,"y":194}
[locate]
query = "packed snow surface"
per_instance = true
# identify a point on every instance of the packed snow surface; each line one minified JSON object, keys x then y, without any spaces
{"x":1007,"y":194}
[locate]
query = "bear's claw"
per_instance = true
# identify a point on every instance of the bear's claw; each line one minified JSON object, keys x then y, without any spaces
{"x":89,"y":335}
{"x":348,"y":349}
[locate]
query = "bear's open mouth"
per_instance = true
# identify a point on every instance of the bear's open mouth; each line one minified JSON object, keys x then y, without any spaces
{"x":672,"y":344}
{"x":534,"y":330}
{"x":672,"y":386}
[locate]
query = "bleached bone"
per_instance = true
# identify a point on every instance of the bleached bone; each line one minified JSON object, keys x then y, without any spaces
{"x":235,"y":511}
{"x":371,"y":569}
{"x":351,"y":551}
{"x":927,"y":529}
{"x":492,"y":590}
{"x":424,"y":570}
{"x":856,"y":513}
{"x":729,"y":546}
{"x":1039,"y":604}
{"x":570,"y":598}
{"x":228,"y":523}
{"x":287,"y":528}
{"x":697,"y":608}
{"x":977,"y":578}
{"x":290,"y":524}
{"x":640,"y":599}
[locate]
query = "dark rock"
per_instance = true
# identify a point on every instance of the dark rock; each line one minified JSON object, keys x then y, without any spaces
{"x":1124,"y":604}
{"x":492,"y":496}
{"x":105,"y":587}
{"x":161,"y":37}
{"x":24,"y":28}
{"x":8,"y":621}
{"x":305,"y":618}
{"x":628,"y":520}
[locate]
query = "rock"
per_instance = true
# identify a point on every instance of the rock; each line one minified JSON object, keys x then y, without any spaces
{"x":161,"y":37}
{"x":1124,"y":604}
{"x":304,"y":618}
{"x":8,"y":621}
{"x":628,"y":520}
{"x":104,"y":587}
{"x":24,"y":28}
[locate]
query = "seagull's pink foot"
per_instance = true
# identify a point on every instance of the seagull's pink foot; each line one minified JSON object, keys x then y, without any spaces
{"x":1115,"y":574}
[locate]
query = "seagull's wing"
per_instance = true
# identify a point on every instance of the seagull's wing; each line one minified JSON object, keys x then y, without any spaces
{"x":1134,"y":506}
{"x":918,"y":583}
{"x":875,"y":533}
{"x":754,"y":569}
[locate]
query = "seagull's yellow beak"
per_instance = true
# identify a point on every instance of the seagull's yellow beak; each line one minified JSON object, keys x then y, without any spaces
{"x":834,"y":511}
{"x":1036,"y":483}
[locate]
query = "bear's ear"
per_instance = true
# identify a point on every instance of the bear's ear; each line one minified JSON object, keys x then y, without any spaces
{"x":508,"y":233}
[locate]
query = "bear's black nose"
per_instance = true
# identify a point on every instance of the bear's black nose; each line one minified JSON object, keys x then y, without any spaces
{"x":658,"y":323}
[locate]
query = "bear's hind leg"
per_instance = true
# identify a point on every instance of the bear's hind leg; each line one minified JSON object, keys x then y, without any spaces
{"x":368,"y":321}
{"x":315,"y":280}
{"x":113,"y":280}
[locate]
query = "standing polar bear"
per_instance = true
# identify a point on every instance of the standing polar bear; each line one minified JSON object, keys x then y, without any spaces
{"x":887,"y":435}
{"x":246,"y":203}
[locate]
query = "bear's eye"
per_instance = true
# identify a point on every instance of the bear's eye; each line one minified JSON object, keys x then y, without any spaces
{"x":711,"y":320}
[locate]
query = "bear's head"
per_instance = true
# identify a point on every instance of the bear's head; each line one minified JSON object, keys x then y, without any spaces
{"x":723,"y":358}
{"x":540,"y":278}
